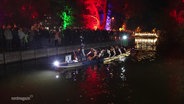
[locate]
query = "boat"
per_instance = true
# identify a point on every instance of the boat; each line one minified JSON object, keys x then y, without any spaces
{"x":70,"y":65}
{"x":120,"y":57}
{"x":74,"y":64}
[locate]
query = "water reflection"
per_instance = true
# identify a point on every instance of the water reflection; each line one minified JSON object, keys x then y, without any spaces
{"x":114,"y":83}
{"x":98,"y":83}
{"x":123,"y":77}
{"x":143,"y":56}
{"x":93,"y":85}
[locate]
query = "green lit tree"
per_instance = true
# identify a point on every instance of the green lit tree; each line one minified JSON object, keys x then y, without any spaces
{"x":67,"y":17}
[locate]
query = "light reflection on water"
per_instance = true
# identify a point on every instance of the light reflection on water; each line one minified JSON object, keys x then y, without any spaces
{"x":115,"y":83}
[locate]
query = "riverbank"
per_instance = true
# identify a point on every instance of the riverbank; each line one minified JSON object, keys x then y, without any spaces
{"x":10,"y":57}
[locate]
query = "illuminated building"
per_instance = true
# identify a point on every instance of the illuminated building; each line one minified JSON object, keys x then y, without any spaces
{"x":146,"y":41}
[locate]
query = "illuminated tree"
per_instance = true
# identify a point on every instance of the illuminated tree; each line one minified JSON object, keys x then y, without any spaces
{"x":23,"y":12}
{"x":67,"y":18}
{"x":177,"y":11}
{"x":108,"y":19}
{"x":95,"y":14}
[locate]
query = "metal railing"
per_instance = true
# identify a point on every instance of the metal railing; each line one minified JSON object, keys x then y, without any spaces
{"x":9,"y":57}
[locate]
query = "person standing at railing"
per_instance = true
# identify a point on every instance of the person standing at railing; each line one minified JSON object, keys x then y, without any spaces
{"x":8,"y":37}
{"x":16,"y":40}
{"x":57,"y":38}
{"x":21,"y":35}
{"x":2,"y":39}
{"x":26,"y":39}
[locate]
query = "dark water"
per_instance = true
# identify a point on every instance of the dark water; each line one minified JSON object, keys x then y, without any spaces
{"x":144,"y":82}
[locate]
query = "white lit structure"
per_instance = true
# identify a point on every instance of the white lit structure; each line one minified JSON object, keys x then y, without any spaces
{"x":146,"y":41}
{"x":146,"y":35}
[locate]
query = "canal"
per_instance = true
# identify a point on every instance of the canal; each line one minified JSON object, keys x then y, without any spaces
{"x":141,"y":82}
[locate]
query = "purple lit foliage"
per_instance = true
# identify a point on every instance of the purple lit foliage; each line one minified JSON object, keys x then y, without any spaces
{"x":108,"y":21}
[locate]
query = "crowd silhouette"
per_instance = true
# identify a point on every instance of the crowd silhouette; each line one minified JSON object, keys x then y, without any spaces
{"x":14,"y":37}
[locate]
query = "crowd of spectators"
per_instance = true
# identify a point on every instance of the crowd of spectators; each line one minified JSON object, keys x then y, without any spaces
{"x":15,"y":38}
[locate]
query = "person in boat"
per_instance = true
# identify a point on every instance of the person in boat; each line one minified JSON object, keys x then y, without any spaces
{"x":82,"y":50}
{"x":78,"y":55}
{"x":113,"y":52}
{"x":118,"y":50}
{"x":108,"y":52}
{"x":101,"y":53}
{"x":123,"y":49}
{"x":92,"y":54}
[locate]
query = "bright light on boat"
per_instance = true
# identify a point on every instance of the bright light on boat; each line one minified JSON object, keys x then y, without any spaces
{"x":57,"y":76}
{"x":56,"y":63}
{"x":125,"y":37}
